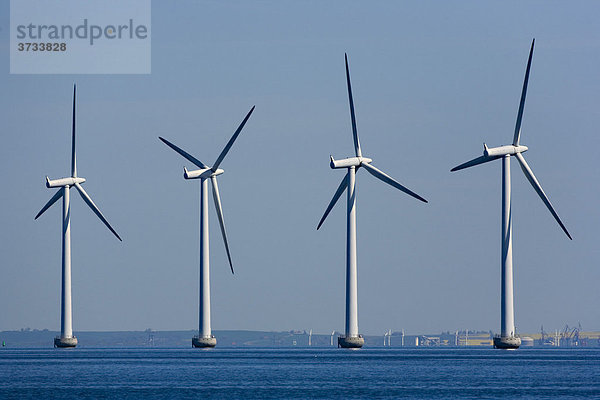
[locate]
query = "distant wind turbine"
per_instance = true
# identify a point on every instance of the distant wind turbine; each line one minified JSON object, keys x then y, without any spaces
{"x":387,"y":338}
{"x":351,"y":338}
{"x":66,"y":338}
{"x":205,"y":337}
{"x":507,"y":338}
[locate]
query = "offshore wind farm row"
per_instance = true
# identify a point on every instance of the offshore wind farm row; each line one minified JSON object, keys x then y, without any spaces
{"x":351,"y":338}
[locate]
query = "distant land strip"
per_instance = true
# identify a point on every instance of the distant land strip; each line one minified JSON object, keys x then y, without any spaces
{"x":35,"y":338}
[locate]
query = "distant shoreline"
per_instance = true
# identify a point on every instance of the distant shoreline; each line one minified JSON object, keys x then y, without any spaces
{"x":244,"y":338}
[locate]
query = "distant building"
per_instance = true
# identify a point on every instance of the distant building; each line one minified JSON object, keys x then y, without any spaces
{"x":526,"y":341}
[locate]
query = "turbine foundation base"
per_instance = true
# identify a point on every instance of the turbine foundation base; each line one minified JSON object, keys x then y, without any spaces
{"x":507,"y":342}
{"x":65,"y":342}
{"x":204,"y":342}
{"x":351,"y":342}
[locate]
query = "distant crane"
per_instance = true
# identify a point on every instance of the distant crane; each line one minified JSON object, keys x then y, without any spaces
{"x":576,"y":335}
{"x":570,"y":336}
{"x":566,"y":335}
{"x":544,"y":336}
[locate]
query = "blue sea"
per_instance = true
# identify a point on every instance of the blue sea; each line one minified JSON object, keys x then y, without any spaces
{"x":299,"y":373}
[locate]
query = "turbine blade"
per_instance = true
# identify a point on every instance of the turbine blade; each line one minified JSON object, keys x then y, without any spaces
{"x":73,"y":158}
{"x":538,"y":188}
{"x":50,"y":202}
{"x":219,"y":209}
{"x":336,"y":196}
{"x":354,"y":131}
{"x":230,"y":143}
{"x":523,"y":94}
{"x":475,"y":161}
{"x":90,"y":203}
{"x":185,"y":155}
{"x":389,"y":180}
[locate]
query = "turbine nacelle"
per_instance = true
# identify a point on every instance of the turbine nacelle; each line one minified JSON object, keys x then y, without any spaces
{"x":202,"y":173}
{"x":503,"y":150}
{"x":348,"y":162}
{"x":62,"y":182}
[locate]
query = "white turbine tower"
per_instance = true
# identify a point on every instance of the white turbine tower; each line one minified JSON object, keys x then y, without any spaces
{"x":66,"y":338}
{"x":507,"y":338}
{"x":351,"y":337}
{"x":205,"y":337}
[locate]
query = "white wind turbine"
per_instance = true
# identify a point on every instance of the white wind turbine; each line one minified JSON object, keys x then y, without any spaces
{"x":205,"y":337}
{"x":351,"y":338}
{"x":507,"y":338}
{"x":66,"y":338}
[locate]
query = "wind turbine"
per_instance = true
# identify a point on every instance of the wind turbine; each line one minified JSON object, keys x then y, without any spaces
{"x":387,"y":338}
{"x":507,"y":338}
{"x":351,"y":338}
{"x":205,"y":337}
{"x":66,"y":338}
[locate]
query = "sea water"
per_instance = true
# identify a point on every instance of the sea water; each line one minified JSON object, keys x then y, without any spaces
{"x":299,"y":373}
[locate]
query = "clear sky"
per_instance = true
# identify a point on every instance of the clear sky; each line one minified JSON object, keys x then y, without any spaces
{"x":432,"y":81}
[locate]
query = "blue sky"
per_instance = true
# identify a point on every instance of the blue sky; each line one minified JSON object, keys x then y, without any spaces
{"x":432,"y":81}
